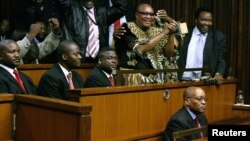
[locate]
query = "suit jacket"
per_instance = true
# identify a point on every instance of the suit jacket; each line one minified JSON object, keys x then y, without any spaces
{"x":75,"y":23}
{"x":182,"y":120}
{"x":54,"y":83}
{"x":8,"y":83}
{"x":97,"y":78}
{"x":214,"y":53}
{"x":130,"y":12}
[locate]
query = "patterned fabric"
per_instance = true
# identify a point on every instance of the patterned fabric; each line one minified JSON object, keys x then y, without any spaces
{"x":156,"y":56}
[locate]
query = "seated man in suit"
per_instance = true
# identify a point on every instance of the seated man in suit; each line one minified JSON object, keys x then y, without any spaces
{"x":101,"y":75}
{"x":190,"y":115}
{"x":56,"y":81}
{"x":12,"y":80}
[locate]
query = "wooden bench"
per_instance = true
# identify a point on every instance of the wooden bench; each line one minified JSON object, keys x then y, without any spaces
{"x":35,"y":71}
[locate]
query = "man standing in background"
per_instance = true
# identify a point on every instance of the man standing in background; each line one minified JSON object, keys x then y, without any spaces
{"x":87,"y":24}
{"x":204,"y":46}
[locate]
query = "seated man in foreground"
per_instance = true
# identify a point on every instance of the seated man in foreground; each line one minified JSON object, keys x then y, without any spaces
{"x":56,"y":81}
{"x":190,"y":115}
{"x":12,"y":80}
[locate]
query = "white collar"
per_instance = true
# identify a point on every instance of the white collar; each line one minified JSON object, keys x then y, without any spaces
{"x":8,"y":69}
{"x":65,"y":71}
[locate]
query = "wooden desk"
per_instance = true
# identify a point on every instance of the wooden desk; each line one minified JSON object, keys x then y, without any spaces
{"x":43,"y":119}
{"x":35,"y":71}
{"x":140,"y":112}
{"x":6,"y":116}
{"x":46,"y":119}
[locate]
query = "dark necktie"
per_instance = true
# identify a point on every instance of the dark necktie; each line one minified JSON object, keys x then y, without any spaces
{"x":111,"y":80}
{"x":71,"y":85}
{"x":19,"y":80}
{"x":198,"y":125}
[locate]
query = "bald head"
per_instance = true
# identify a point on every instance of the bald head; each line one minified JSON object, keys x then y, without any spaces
{"x":195,"y":99}
{"x":68,"y":54}
{"x":191,"y":91}
{"x":9,"y":53}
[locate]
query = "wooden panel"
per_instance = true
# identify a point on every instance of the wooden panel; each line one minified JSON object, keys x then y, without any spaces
{"x":35,"y":71}
{"x":6,"y":118}
{"x":242,"y":111}
{"x":140,"y":112}
{"x":46,"y":119}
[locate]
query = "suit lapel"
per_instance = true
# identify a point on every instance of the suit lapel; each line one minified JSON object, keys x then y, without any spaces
{"x":208,"y":49}
{"x":8,"y":75}
{"x":104,"y":77}
{"x":64,"y":79}
{"x":11,"y":78}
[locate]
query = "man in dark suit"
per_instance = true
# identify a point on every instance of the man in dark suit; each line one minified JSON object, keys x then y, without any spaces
{"x":11,"y":82}
{"x":79,"y":16}
{"x":203,"y":46}
{"x":101,"y":75}
{"x":56,"y":81}
{"x":190,"y":115}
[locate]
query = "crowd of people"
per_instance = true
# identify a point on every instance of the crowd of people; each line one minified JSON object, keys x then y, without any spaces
{"x":146,"y":40}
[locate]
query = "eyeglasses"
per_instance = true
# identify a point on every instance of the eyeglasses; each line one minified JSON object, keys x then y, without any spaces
{"x":145,"y":13}
{"x":200,"y":99}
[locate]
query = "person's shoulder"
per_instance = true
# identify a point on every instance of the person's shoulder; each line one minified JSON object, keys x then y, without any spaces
{"x":218,"y":32}
{"x":76,"y":73}
{"x":203,"y":116}
{"x":54,"y":71}
{"x":100,"y":9}
{"x":95,"y":71}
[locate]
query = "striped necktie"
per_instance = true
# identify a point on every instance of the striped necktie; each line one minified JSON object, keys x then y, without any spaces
{"x":93,"y":42}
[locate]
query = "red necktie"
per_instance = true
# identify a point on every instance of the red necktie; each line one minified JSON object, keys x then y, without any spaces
{"x":71,"y":85}
{"x":198,"y":125}
{"x":111,"y":80}
{"x":117,"y":24}
{"x":19,"y":80}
